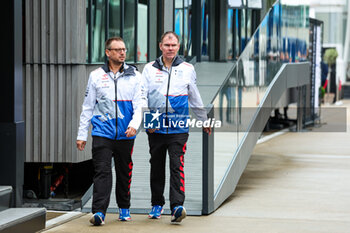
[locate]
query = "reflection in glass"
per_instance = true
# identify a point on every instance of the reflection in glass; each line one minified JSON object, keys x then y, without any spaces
{"x":114,"y":18}
{"x":249,"y":24}
{"x":235,"y":3}
{"x":225,"y":139}
{"x":205,"y":22}
{"x":96,"y":15}
{"x":87,"y":10}
{"x":281,"y":37}
{"x":236,"y":35}
{"x":179,"y":23}
{"x":257,"y":4}
{"x":227,"y":101}
{"x":182,"y":23}
{"x":142,"y":31}
{"x":98,"y":30}
{"x":187,"y":29}
{"x":230,"y":33}
{"x":241,"y":84}
{"x":243,"y":29}
{"x":129,"y":29}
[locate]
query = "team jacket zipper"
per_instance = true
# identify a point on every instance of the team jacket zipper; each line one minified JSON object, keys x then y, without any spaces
{"x":167,"y":99}
{"x":116,"y":106}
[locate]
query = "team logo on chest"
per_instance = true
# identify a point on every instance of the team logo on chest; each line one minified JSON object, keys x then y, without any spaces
{"x":178,"y":73}
{"x":159,"y":77}
{"x":104,"y":83}
{"x":105,"y":77}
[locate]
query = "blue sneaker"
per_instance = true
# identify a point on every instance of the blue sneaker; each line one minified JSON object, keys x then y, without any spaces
{"x":178,"y":213}
{"x":156,"y":212}
{"x":124,"y":215}
{"x":98,"y":219}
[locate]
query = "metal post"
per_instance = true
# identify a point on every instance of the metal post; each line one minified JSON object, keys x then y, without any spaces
{"x":106,"y":23}
{"x":300,"y":108}
{"x":208,"y":170}
{"x":90,"y":31}
{"x":122,"y":12}
{"x":135,"y":30}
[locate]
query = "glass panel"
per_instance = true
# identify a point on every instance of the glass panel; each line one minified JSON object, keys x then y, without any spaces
{"x":236,"y":44}
{"x":142,"y":31}
{"x":179,"y":24}
{"x":235,"y":3}
{"x":247,"y":89}
{"x":249,"y":24}
{"x":281,"y":37}
{"x":226,"y":137}
{"x":98,"y":30}
{"x":243,"y":35}
{"x":187,"y":28}
{"x":114,"y":18}
{"x":87,"y":30}
{"x":325,"y":17}
{"x":255,"y":4}
{"x":205,"y":21}
{"x":129,"y":29}
{"x":152,"y":30}
{"x":262,"y":86}
{"x":272,"y":49}
{"x":229,"y":43}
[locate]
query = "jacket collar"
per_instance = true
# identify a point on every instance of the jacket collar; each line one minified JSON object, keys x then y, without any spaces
{"x":127,"y":69}
{"x":158,"y":63}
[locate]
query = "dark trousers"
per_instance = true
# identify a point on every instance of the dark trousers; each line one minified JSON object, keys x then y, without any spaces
{"x":103,"y":149}
{"x":175,"y":144}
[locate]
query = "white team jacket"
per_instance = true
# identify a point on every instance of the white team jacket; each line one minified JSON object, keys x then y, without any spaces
{"x":172,"y":98}
{"x":109,"y":97}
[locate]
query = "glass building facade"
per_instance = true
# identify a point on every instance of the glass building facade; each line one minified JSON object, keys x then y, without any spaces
{"x":198,"y":24}
{"x":125,"y":18}
{"x":242,"y":20}
{"x":182,"y":25}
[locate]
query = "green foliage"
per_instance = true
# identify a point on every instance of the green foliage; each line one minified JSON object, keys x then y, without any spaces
{"x":330,"y":56}
{"x":322,"y":92}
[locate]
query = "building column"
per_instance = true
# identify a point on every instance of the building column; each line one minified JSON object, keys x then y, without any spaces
{"x":12,"y":126}
{"x":168,"y":15}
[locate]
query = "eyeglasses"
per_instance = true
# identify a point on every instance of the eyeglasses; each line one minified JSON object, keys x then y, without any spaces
{"x":120,"y":50}
{"x":170,"y":45}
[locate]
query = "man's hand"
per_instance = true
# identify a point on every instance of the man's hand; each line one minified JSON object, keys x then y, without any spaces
{"x":207,"y":130}
{"x":81,"y":145}
{"x":130,"y":132}
{"x":151,"y":130}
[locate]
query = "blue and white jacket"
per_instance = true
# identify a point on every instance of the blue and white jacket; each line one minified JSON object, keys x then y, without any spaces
{"x":112,"y":103}
{"x":171,"y":92}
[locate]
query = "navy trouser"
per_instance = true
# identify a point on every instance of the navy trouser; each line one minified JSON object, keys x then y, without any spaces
{"x":103,"y":149}
{"x":175,"y":144}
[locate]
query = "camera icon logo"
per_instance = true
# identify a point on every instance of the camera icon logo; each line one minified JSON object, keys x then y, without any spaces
{"x":151,"y":120}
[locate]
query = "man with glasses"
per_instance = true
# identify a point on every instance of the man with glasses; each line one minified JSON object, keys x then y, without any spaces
{"x":113,"y":106}
{"x":169,"y":85}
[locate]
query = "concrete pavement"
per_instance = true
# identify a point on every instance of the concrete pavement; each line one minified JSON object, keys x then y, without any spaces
{"x":297,"y":182}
